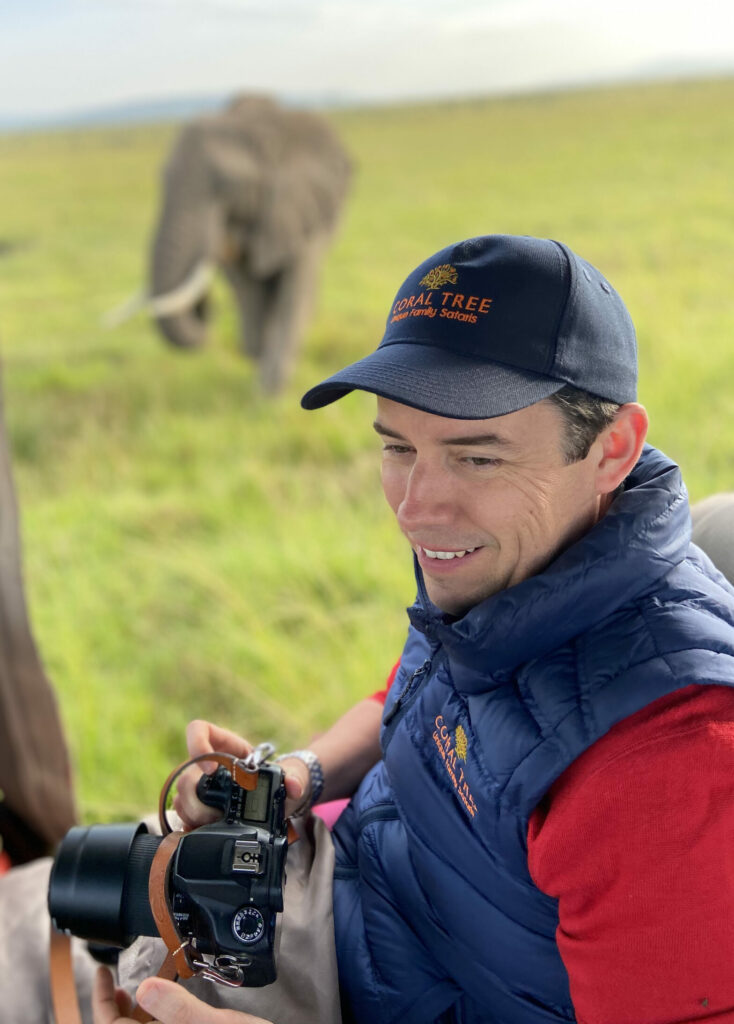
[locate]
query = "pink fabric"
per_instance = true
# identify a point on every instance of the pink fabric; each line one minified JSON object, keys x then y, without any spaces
{"x":330,"y":811}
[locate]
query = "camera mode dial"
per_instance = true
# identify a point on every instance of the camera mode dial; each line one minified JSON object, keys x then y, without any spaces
{"x":248,"y":925}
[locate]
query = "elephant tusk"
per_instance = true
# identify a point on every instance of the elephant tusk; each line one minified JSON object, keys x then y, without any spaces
{"x":118,"y":315}
{"x":186,"y":295}
{"x":176,"y":301}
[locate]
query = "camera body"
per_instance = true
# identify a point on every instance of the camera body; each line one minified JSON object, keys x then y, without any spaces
{"x":224,"y":883}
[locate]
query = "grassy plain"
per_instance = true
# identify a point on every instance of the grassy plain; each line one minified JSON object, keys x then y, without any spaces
{"x":192,"y":550}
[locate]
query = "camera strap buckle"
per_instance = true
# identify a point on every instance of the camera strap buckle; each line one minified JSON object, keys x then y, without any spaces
{"x":256,"y":757}
{"x":226,"y":973}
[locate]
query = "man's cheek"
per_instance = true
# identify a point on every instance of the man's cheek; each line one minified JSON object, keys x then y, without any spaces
{"x":393,"y":486}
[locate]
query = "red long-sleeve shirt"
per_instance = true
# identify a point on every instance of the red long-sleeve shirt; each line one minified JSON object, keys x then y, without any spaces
{"x":636,"y":842}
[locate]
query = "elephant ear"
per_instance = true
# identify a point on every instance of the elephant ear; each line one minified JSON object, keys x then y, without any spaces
{"x":303,"y":190}
{"x":235,"y":170}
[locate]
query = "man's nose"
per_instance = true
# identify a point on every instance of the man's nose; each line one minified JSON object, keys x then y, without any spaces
{"x":427,"y":497}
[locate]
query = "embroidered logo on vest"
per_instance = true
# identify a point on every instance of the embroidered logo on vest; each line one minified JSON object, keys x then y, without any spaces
{"x":461,"y":743}
{"x":453,"y":751}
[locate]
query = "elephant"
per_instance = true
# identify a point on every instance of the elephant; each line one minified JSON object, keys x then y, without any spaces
{"x":254,"y":190}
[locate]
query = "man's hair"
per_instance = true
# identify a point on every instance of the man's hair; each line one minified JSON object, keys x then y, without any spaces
{"x":584,"y":417}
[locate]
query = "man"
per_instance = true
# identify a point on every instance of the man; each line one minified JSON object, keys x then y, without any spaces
{"x":543,"y":816}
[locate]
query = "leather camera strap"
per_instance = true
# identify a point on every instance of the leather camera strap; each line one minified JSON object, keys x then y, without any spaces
{"x":160,"y":905}
{"x":64,"y":998}
{"x":63,"y":990}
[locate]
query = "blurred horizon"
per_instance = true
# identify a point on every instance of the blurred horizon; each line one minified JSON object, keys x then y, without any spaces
{"x":82,"y":62}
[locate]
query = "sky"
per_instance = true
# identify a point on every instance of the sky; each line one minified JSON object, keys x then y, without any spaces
{"x":64,"y":56}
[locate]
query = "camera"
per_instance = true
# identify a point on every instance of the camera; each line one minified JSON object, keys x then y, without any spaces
{"x":223,"y":886}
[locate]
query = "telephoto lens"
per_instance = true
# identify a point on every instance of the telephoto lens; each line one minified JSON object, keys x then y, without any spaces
{"x":98,"y":888}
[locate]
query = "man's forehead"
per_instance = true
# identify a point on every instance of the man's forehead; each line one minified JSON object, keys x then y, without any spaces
{"x":395,"y":419}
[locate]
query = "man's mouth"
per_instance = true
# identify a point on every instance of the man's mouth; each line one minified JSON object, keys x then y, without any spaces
{"x":445,"y":555}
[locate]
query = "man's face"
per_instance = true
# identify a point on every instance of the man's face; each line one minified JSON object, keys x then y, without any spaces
{"x":483,"y":503}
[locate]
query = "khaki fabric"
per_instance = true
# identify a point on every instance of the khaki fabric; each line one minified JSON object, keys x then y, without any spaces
{"x":305,"y":992}
{"x":24,"y":942}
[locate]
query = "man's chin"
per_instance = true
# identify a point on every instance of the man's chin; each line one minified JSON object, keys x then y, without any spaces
{"x":456,"y":602}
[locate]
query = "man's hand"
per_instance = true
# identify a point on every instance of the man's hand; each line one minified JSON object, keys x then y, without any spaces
{"x":109,"y":1005}
{"x":166,"y":1002}
{"x":204,"y":737}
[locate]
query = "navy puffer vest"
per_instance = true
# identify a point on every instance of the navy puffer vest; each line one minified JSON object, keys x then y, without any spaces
{"x":437,"y":918}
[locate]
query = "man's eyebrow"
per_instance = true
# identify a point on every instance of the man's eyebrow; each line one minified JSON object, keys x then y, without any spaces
{"x":469,"y":439}
{"x":382,"y":429}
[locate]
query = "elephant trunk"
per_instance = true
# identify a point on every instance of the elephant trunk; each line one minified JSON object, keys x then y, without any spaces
{"x":183,"y":320}
{"x":181,"y":255}
{"x":185,"y":330}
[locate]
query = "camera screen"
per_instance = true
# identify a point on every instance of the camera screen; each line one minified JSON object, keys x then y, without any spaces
{"x":258,"y":799}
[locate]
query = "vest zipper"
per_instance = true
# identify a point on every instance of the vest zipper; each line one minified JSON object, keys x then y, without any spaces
{"x":407,"y":695}
{"x":406,"y":691}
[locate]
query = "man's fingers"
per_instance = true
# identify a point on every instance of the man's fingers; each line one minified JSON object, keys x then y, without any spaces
{"x":186,"y":803}
{"x":104,"y":1006}
{"x":109,"y":1005}
{"x":297,"y":783}
{"x":203,"y":737}
{"x":165,"y":1001}
{"x":172,"y":1004}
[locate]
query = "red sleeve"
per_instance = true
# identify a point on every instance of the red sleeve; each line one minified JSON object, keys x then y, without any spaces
{"x":382,"y":694}
{"x":636,"y":842}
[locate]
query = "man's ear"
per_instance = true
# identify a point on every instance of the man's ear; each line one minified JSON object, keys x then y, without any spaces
{"x":621,"y":444}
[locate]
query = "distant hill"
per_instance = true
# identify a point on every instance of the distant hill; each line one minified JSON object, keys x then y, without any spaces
{"x":141,"y":111}
{"x":180,"y":108}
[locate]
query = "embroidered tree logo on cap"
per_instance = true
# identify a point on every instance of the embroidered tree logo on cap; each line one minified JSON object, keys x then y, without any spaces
{"x":445,"y":274}
{"x":461,"y":743}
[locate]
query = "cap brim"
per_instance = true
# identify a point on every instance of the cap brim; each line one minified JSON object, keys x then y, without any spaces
{"x":436,"y":381}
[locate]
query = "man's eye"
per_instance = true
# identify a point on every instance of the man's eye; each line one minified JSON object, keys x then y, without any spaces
{"x":479,"y":460}
{"x":396,"y":449}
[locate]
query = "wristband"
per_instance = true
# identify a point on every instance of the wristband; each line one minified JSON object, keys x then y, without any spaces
{"x":315,"y":773}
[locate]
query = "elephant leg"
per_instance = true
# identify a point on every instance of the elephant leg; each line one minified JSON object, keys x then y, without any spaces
{"x":253,"y":298}
{"x":289,"y":303}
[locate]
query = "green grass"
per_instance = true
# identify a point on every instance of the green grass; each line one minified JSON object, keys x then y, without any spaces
{"x":192,"y":550}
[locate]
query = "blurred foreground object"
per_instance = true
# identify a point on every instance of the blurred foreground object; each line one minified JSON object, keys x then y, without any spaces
{"x":713,"y":530}
{"x":255,"y":190}
{"x":37,"y":805}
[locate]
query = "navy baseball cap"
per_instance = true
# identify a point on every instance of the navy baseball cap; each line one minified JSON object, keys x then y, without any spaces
{"x":493,"y":324}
